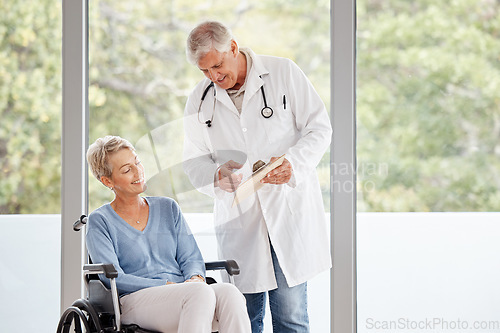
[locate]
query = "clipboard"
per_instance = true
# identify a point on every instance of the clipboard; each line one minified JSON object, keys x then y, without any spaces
{"x":253,"y":184}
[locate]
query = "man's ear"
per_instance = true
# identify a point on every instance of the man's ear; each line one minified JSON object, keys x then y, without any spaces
{"x":234,"y":48}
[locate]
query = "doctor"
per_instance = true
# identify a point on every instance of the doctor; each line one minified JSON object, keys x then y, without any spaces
{"x":249,"y":108}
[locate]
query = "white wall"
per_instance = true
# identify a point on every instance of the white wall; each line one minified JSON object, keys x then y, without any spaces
{"x":428,"y":272}
{"x":436,"y":270}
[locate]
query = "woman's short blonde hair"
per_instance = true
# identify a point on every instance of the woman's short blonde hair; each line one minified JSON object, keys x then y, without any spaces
{"x":99,"y":152}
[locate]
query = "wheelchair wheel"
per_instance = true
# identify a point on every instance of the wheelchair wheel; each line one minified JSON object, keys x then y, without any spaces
{"x":79,"y":318}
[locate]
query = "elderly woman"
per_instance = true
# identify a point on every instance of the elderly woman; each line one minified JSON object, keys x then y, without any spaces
{"x":160,"y":268}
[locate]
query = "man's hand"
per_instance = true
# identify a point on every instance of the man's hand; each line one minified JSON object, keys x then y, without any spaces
{"x":226,"y":179}
{"x":280,"y":175}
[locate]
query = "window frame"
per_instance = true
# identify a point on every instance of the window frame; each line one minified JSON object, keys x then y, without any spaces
{"x":343,"y":153}
{"x":74,"y":145}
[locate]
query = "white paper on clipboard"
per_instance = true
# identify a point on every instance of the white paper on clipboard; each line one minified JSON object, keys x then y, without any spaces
{"x":253,"y":184}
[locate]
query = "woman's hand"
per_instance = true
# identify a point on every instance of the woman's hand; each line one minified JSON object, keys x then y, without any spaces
{"x":196,"y":278}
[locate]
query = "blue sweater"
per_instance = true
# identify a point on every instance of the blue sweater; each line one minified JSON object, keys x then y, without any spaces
{"x":164,"y":251}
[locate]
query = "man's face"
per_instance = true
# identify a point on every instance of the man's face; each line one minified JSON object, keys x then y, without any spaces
{"x":221,"y":68}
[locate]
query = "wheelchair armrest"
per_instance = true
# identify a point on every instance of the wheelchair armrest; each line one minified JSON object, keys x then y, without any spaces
{"x":230,"y":266}
{"x":110,"y":272}
{"x":107,"y":269}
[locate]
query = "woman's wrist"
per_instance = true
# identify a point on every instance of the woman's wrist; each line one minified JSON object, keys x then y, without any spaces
{"x":199,"y":277}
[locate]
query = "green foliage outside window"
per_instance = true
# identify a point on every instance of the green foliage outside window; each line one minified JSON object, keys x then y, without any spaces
{"x":428,"y":106}
{"x":428,"y":81}
{"x":30,"y":107}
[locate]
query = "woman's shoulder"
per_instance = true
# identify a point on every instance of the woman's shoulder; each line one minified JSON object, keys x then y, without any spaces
{"x":99,"y":215}
{"x":103,"y":210}
{"x":161,"y":201}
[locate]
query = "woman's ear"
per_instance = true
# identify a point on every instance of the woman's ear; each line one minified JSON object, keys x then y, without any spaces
{"x":107,"y":182}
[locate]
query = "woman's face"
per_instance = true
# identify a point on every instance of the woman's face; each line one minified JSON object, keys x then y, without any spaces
{"x":127,"y":177}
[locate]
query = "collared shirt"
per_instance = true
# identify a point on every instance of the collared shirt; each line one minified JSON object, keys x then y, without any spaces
{"x":237,"y":95}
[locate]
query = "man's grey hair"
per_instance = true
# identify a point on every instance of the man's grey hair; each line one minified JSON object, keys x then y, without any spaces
{"x":208,"y":36}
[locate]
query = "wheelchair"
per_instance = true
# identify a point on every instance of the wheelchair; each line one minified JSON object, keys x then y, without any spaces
{"x":100,"y":311}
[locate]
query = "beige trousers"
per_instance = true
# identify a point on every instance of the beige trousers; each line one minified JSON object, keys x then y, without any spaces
{"x":190,"y":307}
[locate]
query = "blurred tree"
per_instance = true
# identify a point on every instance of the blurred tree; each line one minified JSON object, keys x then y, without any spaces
{"x":428,"y":105}
{"x":428,"y":82}
{"x":30,"y":107}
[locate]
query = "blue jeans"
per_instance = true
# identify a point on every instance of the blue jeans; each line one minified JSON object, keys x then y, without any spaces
{"x":288,"y":305}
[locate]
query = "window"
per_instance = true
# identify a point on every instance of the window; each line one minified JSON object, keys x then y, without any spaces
{"x":428,"y":167}
{"x":30,"y":164}
{"x":139,"y":80}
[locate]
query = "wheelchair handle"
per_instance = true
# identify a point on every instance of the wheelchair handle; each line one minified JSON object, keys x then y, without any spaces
{"x":230,"y":266}
{"x":80,"y":223}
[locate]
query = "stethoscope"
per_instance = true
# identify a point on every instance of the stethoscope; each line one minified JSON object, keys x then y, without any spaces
{"x":266,"y":111}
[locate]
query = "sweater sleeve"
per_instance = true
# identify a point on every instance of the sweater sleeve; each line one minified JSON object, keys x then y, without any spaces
{"x":101,"y":250}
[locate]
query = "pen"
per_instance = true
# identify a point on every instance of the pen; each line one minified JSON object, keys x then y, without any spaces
{"x":284,"y":102}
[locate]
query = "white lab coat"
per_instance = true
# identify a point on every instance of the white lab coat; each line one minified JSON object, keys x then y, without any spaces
{"x":291,"y":216}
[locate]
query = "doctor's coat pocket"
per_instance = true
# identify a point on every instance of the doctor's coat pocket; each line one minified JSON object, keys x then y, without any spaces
{"x":281,"y":125}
